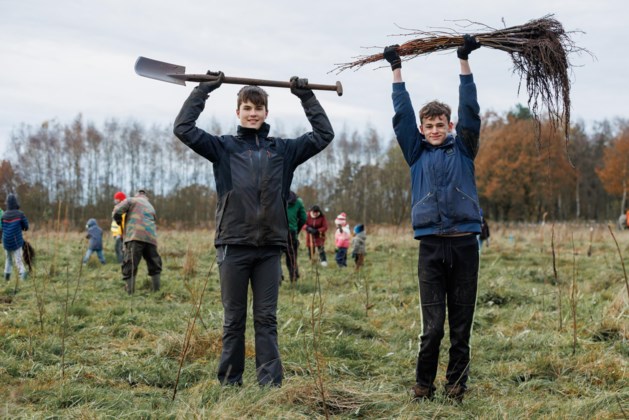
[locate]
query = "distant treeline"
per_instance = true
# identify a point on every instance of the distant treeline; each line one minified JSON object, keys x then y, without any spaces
{"x":68,"y":173}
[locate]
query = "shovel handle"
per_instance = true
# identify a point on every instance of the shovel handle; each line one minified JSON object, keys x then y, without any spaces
{"x":338,"y":88}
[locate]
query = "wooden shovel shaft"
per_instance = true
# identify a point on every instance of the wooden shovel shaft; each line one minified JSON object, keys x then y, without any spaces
{"x":338,"y":88}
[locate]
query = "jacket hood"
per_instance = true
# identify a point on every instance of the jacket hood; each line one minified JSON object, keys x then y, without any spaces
{"x":12,"y":203}
{"x":292,"y":197}
{"x":91,"y":222}
{"x":263,"y":131}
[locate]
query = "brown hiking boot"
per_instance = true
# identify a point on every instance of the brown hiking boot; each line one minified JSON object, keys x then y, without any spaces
{"x":455,"y":392}
{"x":419,"y":392}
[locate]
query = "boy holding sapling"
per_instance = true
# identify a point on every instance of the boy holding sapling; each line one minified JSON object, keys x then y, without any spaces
{"x":446,"y":219}
{"x":253,"y":174}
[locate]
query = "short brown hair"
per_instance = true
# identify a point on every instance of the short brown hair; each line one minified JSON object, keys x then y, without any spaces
{"x":255,"y":94}
{"x":434,"y":109}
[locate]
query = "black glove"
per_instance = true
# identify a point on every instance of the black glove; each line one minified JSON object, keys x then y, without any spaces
{"x":299,"y":88}
{"x":207,"y":87}
{"x":469,"y":44}
{"x":392,"y":56}
{"x":312,"y":230}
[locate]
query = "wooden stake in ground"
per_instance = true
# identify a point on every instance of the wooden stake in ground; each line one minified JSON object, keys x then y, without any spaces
{"x":539,"y":50}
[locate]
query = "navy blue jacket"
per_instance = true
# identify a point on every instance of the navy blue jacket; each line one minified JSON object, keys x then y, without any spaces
{"x":13,"y":223}
{"x":253,"y":172}
{"x":444,"y":196}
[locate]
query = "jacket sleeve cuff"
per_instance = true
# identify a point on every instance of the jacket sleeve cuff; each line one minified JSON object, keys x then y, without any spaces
{"x":399,"y":87}
{"x":466,"y":79}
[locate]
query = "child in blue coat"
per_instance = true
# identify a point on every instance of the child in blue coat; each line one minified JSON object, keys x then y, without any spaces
{"x":13,"y":223}
{"x":95,"y":236}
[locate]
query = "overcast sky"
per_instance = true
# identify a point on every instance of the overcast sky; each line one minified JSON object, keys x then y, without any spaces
{"x":61,"y":58}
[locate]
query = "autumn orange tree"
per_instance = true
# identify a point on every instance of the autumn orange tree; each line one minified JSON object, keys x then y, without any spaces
{"x":614,"y":173}
{"x":518,"y":177}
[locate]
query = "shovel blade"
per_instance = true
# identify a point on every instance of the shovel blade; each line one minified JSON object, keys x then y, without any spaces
{"x":159,"y":70}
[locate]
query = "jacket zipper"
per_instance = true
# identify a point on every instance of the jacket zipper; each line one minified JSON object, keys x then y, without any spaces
{"x":258,"y":176}
{"x":463,"y":192}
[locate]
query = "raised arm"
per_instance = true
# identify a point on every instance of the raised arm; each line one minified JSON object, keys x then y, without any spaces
{"x":311,"y":143}
{"x":468,"y":127}
{"x":185,"y":127}
{"x":404,"y":120}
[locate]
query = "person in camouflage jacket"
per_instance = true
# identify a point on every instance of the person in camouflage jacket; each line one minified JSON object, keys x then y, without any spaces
{"x":140,"y":239}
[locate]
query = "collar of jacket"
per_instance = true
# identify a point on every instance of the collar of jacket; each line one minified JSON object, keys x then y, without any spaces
{"x":447,"y":142}
{"x":262,"y":132}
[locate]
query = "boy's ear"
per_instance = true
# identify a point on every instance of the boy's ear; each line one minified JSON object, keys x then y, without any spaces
{"x":450,"y":126}
{"x":238,"y":112}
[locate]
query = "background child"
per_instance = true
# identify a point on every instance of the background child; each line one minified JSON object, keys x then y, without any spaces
{"x":95,"y":236}
{"x":359,"y":246}
{"x":342,"y":239}
{"x":13,"y":223}
{"x":296,"y":214}
{"x":316,"y":226}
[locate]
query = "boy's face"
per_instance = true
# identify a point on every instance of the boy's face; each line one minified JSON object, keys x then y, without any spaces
{"x":436,"y":129}
{"x":251,"y":116}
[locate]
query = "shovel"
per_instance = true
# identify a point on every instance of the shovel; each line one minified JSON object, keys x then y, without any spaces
{"x":174,"y":73}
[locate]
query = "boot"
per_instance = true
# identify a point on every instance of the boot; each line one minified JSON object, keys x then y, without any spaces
{"x":155,"y":280}
{"x":455,"y":392}
{"x":419,"y":393}
{"x":7,"y":276}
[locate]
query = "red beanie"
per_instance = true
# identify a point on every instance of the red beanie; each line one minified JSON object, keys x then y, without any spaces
{"x":120,"y":196}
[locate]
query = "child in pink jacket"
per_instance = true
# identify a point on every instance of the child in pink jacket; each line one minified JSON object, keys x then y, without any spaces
{"x":342,"y":239}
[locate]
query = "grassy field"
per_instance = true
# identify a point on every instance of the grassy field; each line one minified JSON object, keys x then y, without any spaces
{"x":545,"y":345}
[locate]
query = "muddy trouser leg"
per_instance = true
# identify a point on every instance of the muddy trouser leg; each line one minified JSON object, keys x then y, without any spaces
{"x":462,"y":286}
{"x":101,"y":257}
{"x":264,"y":285}
{"x":154,"y":264}
{"x":432,"y":292}
{"x":235,"y":266}
{"x":132,"y":256}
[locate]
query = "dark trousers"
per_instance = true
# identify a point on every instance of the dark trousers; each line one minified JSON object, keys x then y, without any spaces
{"x":239,"y":265}
{"x":291,"y":255}
{"x":341,"y":257}
{"x":448,"y":280}
{"x":134,"y":251}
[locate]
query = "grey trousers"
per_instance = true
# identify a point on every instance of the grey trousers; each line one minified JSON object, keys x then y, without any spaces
{"x":239,"y":266}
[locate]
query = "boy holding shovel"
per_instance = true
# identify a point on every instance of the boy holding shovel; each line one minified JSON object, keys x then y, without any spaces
{"x":253,"y":174}
{"x":446,"y":219}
